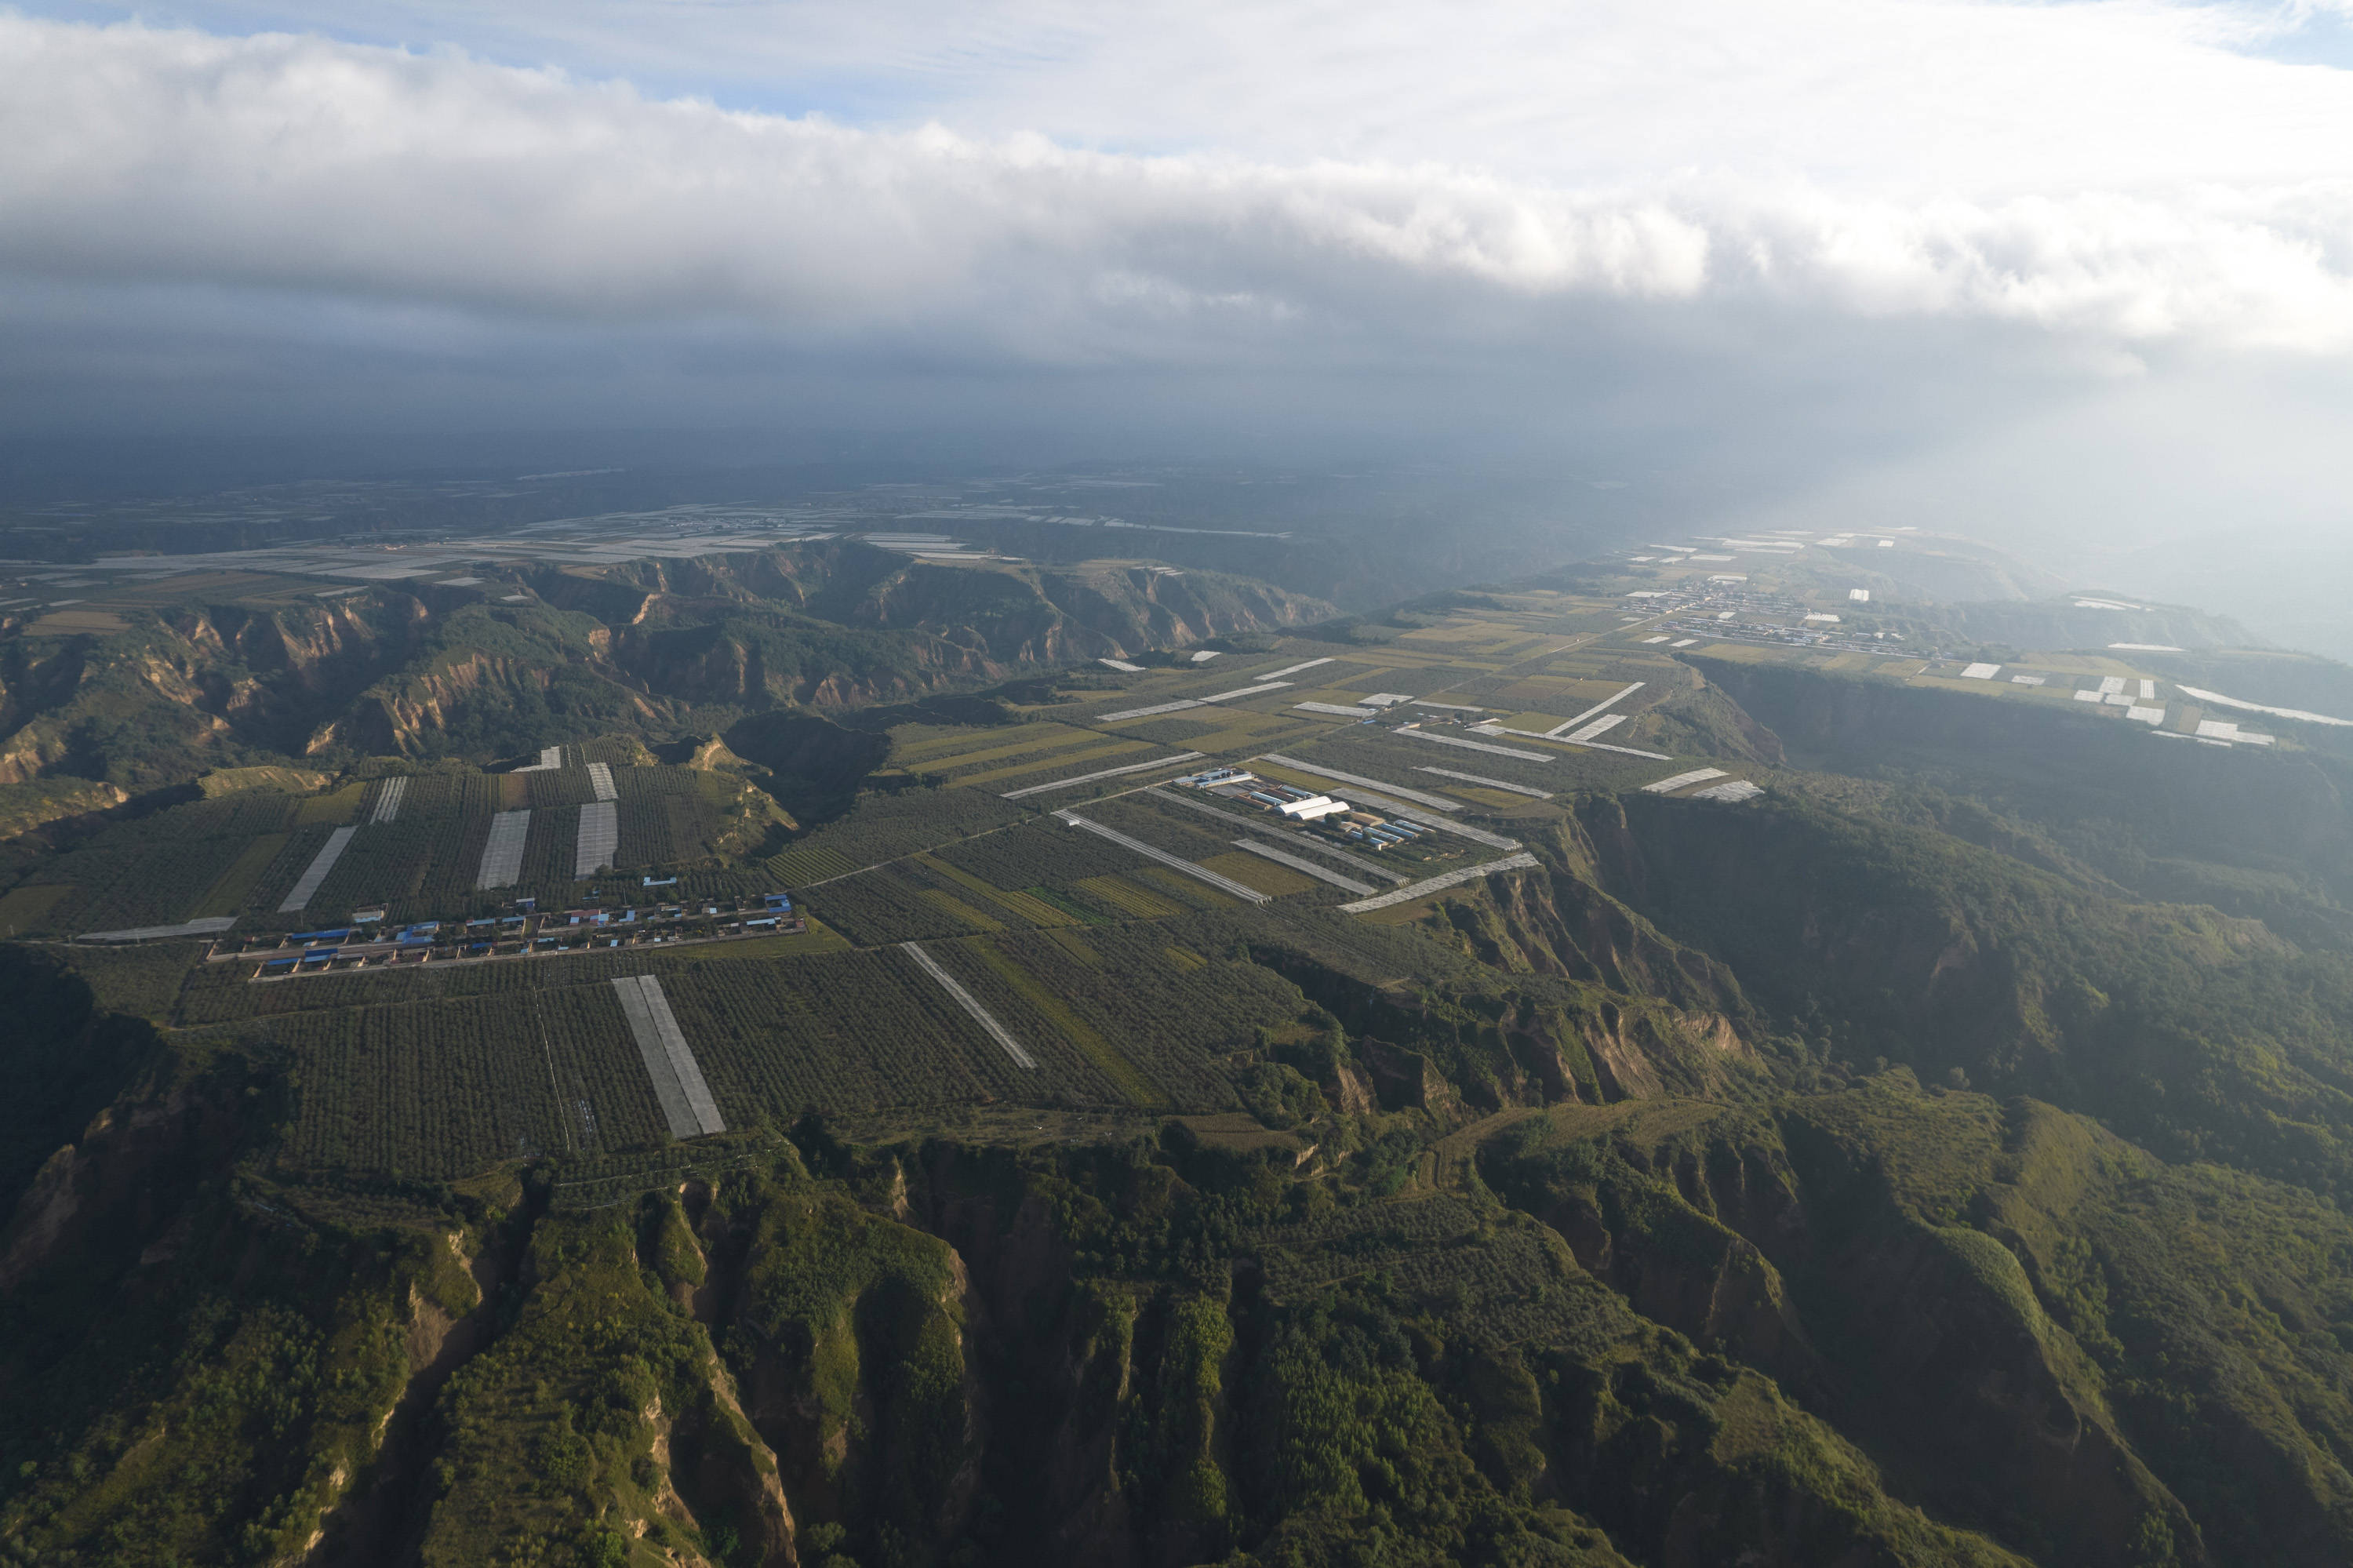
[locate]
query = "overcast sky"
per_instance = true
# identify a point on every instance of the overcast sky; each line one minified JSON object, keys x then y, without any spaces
{"x":2080,"y":266}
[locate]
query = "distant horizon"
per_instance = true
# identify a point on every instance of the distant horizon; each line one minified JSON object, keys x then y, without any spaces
{"x":2054,"y":271}
{"x":2220,"y":578}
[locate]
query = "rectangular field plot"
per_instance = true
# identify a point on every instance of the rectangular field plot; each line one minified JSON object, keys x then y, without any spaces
{"x":892,"y":905}
{"x":1169,"y":862}
{"x":1041,"y":850}
{"x":158,"y":870}
{"x":959,"y":993}
{"x":501,"y":863}
{"x":1193,"y":893}
{"x":670,"y":816}
{"x":221,"y":993}
{"x":293,"y":858}
{"x":1080,"y":781}
{"x":1024,"y":908}
{"x":422,"y":862}
{"x":235,"y":885}
{"x":1159,"y":823}
{"x":1074,"y":759}
{"x":448,"y":1086}
{"x":1521,"y":862}
{"x":335,"y":808}
{"x":1302,"y":863}
{"x":551,"y":854}
{"x":299,"y":897}
{"x":1128,"y":898}
{"x":1172,"y":1023}
{"x":430,"y":1089}
{"x":1467,"y":634}
{"x":598,"y":836}
{"x":980,"y":904}
{"x":1258,"y":872}
{"x":678,"y":1082}
{"x":548,"y":791}
{"x":1335,"y":670}
{"x":845,"y":1032}
{"x":1482,"y":782}
{"x":1377,"y":752}
{"x":620,"y":750}
{"x":390,"y":794}
{"x":1402,"y":791}
{"x":886,"y":826}
{"x":1292,"y":728}
{"x":1223,"y":820}
{"x":921,"y":747}
{"x":1015,"y":746}
{"x":804,"y":863}
{"x":1074,"y":1050}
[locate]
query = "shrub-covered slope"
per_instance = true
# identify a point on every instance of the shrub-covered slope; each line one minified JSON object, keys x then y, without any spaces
{"x":428,"y":671}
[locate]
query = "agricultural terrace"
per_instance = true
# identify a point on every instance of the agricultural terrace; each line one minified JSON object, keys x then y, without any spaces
{"x":960,"y":942}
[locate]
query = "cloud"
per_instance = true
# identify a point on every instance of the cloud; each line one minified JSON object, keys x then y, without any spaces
{"x":2078,"y":274}
{"x":323,"y":169}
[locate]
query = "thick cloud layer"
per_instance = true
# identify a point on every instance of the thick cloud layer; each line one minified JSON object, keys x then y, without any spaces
{"x":1842,"y":252}
{"x":296,"y":164}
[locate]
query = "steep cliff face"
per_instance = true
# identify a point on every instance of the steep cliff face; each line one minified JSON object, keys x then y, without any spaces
{"x":1017,"y":613}
{"x":1566,"y":994}
{"x":1004,"y":615}
{"x":70,"y":1063}
{"x":1968,"y":1286}
{"x":226,"y":1366}
{"x":757,"y":661}
{"x":1882,"y":942}
{"x":632,"y":650}
{"x":849,"y":1340}
{"x":2163,"y":824}
{"x":1120,"y":1453}
{"x":1560,"y":923}
{"x":1156,"y":1355}
{"x":36,"y":803}
{"x":949,"y":1355}
{"x":184,"y":690}
{"x":1168,"y":1420}
{"x":1138,"y":608}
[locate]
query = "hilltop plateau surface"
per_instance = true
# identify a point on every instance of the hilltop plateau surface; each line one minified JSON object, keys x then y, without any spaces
{"x":809,"y":1051}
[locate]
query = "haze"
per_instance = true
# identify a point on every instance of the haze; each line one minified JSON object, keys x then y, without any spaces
{"x":2073,"y":278}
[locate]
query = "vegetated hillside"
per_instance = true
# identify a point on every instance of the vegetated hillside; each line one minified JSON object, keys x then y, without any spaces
{"x":2202,"y":1035}
{"x":1940,"y":1160}
{"x":2268,"y":837}
{"x":1150,"y":1351}
{"x":1578,"y":1222}
{"x":437,"y":671}
{"x":2028,"y":1320}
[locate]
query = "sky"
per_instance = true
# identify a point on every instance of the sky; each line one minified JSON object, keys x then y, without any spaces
{"x":2076,"y":277}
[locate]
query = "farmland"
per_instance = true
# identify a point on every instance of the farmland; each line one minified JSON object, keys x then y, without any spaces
{"x":160,"y":870}
{"x":242,"y":855}
{"x":1106,"y":965}
{"x":1065,"y":936}
{"x":433,"y":1081}
{"x":1589,"y":1211}
{"x":1066,"y":939}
